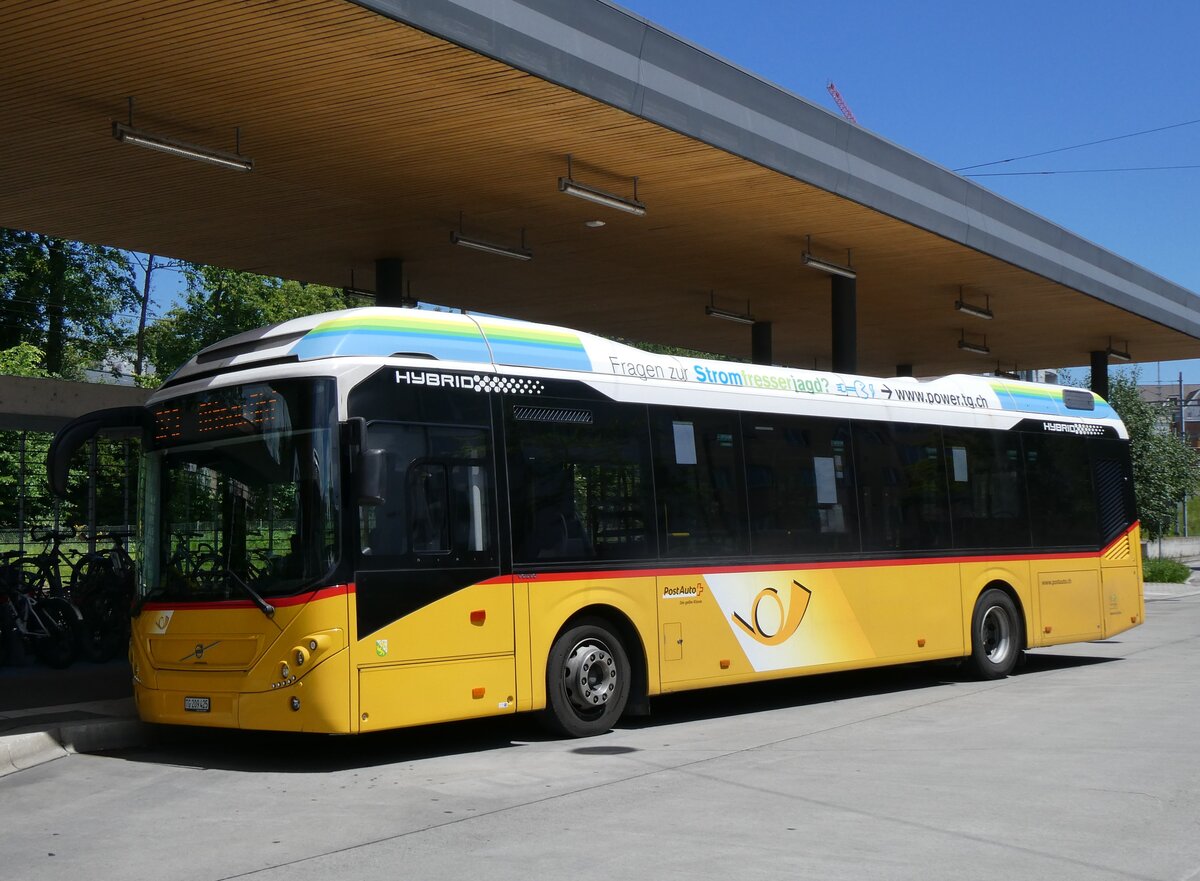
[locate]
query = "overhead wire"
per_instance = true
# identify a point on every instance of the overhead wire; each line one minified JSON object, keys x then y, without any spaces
{"x":1148,"y":131}
{"x":1082,"y":171}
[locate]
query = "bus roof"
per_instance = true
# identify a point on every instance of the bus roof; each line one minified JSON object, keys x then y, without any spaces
{"x":501,"y":343}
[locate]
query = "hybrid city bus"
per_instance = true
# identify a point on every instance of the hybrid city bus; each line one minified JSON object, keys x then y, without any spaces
{"x":389,"y":517}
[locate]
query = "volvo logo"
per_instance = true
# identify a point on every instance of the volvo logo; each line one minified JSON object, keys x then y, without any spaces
{"x":198,"y":652}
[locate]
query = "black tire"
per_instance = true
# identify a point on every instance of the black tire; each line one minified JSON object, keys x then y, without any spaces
{"x":104,"y":631}
{"x":57,"y":648}
{"x":87,"y":575}
{"x":997,"y":635}
{"x":587,"y":680}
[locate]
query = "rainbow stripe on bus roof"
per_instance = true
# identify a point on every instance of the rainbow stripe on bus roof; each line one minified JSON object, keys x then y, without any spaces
{"x":1045,"y":399}
{"x":445,"y":336}
{"x":517,"y":343}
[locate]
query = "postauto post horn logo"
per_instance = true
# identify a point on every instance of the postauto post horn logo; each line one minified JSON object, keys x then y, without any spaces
{"x":779,"y":620}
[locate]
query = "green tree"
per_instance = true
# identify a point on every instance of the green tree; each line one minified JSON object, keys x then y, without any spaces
{"x":224,"y":302}
{"x":23,"y":359}
{"x":1164,"y":466}
{"x":64,"y":298}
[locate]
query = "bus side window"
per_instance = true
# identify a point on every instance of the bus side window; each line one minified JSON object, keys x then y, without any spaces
{"x":987,"y":488}
{"x":699,"y":483}
{"x":428,"y":509}
{"x":1062,"y":502}
{"x":902,"y":485}
{"x":579,"y":481}
{"x":438,"y":500}
{"x":800,"y":484}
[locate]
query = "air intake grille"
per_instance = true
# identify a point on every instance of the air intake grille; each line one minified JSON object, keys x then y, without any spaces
{"x":552,"y":414}
{"x":1115,"y":516}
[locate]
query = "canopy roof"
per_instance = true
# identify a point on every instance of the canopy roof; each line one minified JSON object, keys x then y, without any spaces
{"x":377,"y":128}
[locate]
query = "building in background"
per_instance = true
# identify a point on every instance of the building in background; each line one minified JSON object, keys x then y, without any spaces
{"x":1182,"y":405}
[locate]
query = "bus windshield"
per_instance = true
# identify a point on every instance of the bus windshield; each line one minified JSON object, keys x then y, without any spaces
{"x":239,"y":493}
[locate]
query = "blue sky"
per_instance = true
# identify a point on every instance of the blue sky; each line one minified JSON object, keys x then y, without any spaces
{"x":964,"y":82}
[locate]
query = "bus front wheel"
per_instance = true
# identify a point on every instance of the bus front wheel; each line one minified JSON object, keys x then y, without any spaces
{"x":587,"y":680}
{"x":996,"y":642}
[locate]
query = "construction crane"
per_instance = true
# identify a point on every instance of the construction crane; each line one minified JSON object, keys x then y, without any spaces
{"x":840,"y":101}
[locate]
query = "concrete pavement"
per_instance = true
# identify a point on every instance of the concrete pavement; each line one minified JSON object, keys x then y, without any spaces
{"x":1084,"y":766}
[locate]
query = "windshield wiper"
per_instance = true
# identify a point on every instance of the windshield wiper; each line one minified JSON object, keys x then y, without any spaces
{"x":267,"y":608}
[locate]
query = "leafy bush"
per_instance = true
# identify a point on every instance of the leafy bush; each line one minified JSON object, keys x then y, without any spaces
{"x":1165,"y":571}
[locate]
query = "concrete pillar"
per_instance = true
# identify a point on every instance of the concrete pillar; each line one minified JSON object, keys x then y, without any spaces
{"x":1100,"y":373}
{"x":760,"y":342}
{"x":845,"y":324}
{"x":389,"y":282}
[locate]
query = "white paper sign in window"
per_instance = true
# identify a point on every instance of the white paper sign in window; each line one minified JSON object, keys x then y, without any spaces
{"x":825,"y":473}
{"x":959,"y":455}
{"x":685,"y":443}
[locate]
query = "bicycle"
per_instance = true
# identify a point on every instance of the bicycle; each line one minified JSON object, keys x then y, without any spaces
{"x":201,"y":560}
{"x":45,"y":569}
{"x":44,"y":623}
{"x":102,"y":589}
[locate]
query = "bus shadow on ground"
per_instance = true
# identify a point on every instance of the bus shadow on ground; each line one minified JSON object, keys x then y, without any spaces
{"x":803,"y":691}
{"x":281,"y":753}
{"x":274,"y":752}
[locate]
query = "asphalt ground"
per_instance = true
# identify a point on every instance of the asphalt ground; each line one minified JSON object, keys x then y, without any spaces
{"x":1084,"y":765}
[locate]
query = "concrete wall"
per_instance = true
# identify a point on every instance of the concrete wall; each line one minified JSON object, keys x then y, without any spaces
{"x":48,"y":404}
{"x":1172,"y":548}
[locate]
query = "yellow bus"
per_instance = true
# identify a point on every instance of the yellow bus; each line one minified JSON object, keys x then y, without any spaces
{"x":381,"y":518}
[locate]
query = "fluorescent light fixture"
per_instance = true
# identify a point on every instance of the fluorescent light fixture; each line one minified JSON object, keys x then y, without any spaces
{"x":130,"y":135}
{"x":600,"y":197}
{"x":572,"y":187}
{"x":971,"y":309}
{"x":978,"y":348}
{"x":974,"y":347}
{"x":490,"y":248}
{"x":826,"y":266}
{"x":1117,"y":354}
{"x":739,"y":317}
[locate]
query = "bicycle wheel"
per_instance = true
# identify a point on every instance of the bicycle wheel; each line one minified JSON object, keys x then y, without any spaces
{"x":87,"y":574}
{"x":104,"y":630}
{"x":39,"y":576}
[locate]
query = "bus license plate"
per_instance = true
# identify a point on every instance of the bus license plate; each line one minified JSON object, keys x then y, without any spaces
{"x":196,"y":704}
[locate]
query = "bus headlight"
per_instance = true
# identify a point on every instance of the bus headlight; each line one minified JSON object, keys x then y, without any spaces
{"x":284,"y":670}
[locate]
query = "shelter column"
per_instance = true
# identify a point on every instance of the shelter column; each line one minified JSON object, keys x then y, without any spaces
{"x":845,"y":324}
{"x":1100,"y":373}
{"x":760,"y":342}
{"x":389,"y":282}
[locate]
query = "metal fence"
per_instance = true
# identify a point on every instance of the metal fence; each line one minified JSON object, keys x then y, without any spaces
{"x":102,"y":493}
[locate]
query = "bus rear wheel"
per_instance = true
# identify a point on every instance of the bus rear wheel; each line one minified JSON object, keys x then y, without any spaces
{"x":587,"y":680}
{"x":996,"y":635}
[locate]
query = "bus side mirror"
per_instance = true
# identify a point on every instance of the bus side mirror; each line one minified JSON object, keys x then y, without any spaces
{"x":372,"y":477}
{"x":80,"y":430}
